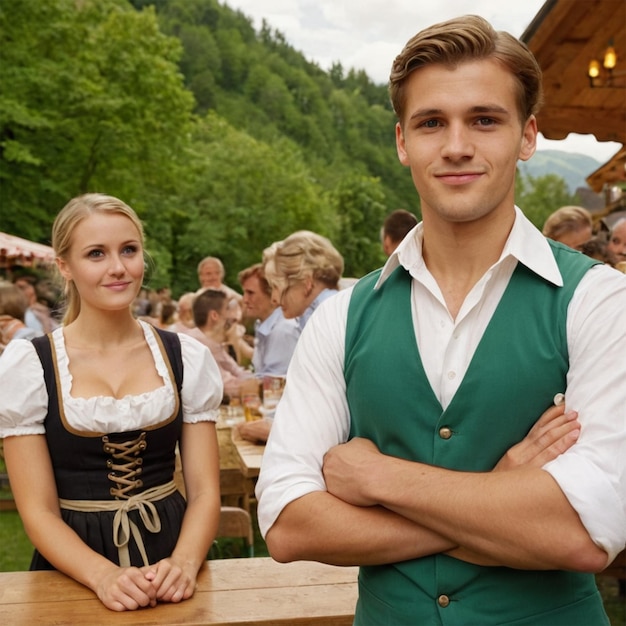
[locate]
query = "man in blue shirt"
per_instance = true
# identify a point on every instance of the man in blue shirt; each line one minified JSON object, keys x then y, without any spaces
{"x":275,"y":337}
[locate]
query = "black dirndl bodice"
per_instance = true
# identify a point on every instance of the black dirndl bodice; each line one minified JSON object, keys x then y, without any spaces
{"x":114,"y":466}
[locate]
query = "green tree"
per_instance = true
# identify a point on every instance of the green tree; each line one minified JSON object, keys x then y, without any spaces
{"x":360,"y":205}
{"x":97,"y":103}
{"x":540,"y":196}
{"x":238,"y":196}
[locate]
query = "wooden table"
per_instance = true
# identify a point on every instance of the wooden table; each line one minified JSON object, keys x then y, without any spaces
{"x":230,"y":592}
{"x":250,"y":454}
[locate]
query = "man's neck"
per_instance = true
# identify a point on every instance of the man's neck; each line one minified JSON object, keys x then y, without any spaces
{"x":458,"y":255}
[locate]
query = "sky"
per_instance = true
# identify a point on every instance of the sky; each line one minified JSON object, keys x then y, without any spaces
{"x":368,"y":34}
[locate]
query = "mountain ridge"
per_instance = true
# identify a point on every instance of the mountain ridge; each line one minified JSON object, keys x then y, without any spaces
{"x":572,"y":167}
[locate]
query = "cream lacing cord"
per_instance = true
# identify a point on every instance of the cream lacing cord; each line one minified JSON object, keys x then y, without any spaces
{"x":123,"y":527}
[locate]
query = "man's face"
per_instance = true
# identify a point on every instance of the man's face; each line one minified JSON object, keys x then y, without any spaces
{"x":210,"y":275}
{"x":257,"y":304}
{"x":462,"y":138}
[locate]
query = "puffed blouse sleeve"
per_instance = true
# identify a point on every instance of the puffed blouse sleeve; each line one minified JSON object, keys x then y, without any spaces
{"x":23,"y":394}
{"x":202,"y":382}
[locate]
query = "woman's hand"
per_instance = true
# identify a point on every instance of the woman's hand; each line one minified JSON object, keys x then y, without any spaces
{"x":172,"y":581}
{"x":125,"y":588}
{"x":554,"y":432}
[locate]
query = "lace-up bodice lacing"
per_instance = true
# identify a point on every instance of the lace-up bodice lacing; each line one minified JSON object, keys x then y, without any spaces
{"x":125,"y":464}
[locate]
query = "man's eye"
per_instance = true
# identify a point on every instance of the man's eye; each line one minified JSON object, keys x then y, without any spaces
{"x":430,"y":124}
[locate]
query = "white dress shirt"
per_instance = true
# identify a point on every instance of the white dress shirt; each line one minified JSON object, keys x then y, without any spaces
{"x":313,"y":414}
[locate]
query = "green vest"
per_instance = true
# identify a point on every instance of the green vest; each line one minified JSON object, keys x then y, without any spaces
{"x":521,"y":362}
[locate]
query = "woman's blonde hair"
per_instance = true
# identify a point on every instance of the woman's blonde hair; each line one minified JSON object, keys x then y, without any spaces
{"x":72,"y":214}
{"x":304,"y":254}
{"x":567,"y":219}
{"x":468,"y":38}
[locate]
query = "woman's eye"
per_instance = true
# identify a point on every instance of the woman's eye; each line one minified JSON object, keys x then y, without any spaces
{"x":129,"y":250}
{"x":94,"y":254}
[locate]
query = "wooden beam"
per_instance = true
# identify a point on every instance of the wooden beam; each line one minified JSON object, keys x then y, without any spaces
{"x":558,"y":122}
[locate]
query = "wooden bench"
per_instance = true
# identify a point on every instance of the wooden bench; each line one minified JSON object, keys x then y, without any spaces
{"x":230,"y":592}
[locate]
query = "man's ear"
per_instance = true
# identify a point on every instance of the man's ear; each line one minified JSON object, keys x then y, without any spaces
{"x":401,"y":146}
{"x":529,"y":139}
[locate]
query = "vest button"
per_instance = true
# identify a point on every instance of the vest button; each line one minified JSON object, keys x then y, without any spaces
{"x":445,"y":432}
{"x":443,"y":601}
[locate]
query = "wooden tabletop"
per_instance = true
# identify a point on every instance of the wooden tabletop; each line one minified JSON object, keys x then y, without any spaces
{"x":250,"y":454}
{"x":230,"y":592}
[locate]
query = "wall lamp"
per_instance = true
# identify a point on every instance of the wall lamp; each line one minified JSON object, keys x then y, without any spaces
{"x":603,"y":75}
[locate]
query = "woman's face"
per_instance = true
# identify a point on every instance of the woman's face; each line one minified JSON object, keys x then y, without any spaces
{"x":617,"y":242}
{"x":293,"y":297}
{"x":105,"y":261}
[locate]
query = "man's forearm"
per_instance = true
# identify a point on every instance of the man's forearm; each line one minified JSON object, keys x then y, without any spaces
{"x":518,"y":518}
{"x":321,"y":527}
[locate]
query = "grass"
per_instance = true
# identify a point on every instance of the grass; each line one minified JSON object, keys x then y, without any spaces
{"x":16,"y":551}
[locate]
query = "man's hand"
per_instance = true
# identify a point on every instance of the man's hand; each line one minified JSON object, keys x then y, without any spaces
{"x":257,"y":431}
{"x":346,"y":468}
{"x":553,"y":433}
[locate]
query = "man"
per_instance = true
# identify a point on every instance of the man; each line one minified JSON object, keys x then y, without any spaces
{"x":211,"y":276}
{"x":210,"y":314}
{"x":435,"y":366}
{"x":395,"y":228}
{"x":275,"y":338}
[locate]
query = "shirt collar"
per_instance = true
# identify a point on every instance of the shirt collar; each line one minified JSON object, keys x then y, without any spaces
{"x":525,"y":243}
{"x":264,"y":327}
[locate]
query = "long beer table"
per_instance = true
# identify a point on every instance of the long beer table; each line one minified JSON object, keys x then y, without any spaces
{"x":230,"y":592}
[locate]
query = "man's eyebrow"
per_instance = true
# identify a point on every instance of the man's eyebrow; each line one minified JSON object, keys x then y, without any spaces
{"x":425,"y":113}
{"x":489,"y":108}
{"x":486,"y":108}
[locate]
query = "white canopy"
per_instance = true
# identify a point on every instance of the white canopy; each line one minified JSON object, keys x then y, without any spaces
{"x":18,"y":251}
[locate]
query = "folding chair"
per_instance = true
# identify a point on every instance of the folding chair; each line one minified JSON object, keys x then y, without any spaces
{"x":235,"y":522}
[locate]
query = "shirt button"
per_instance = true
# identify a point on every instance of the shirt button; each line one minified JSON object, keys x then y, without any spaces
{"x":445,"y":432}
{"x":443,"y":601}
{"x":451,"y":375}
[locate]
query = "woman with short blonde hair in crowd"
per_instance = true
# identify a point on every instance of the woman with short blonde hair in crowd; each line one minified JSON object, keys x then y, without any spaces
{"x":303,"y":270}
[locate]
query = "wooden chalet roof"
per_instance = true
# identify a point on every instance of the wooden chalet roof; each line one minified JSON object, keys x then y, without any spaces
{"x":564,"y":36}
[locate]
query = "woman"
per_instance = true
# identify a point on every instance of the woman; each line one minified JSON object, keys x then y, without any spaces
{"x":92,"y":414}
{"x":570,"y":225}
{"x":303,"y":271}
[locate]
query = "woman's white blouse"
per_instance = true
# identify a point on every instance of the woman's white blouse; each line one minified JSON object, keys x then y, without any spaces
{"x":24,"y":398}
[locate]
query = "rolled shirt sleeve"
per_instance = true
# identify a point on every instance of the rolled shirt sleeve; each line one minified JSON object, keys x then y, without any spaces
{"x":592,"y":474}
{"x":312,"y":415}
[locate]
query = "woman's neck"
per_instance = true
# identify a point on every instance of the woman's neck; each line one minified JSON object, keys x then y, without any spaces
{"x":103,"y":330}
